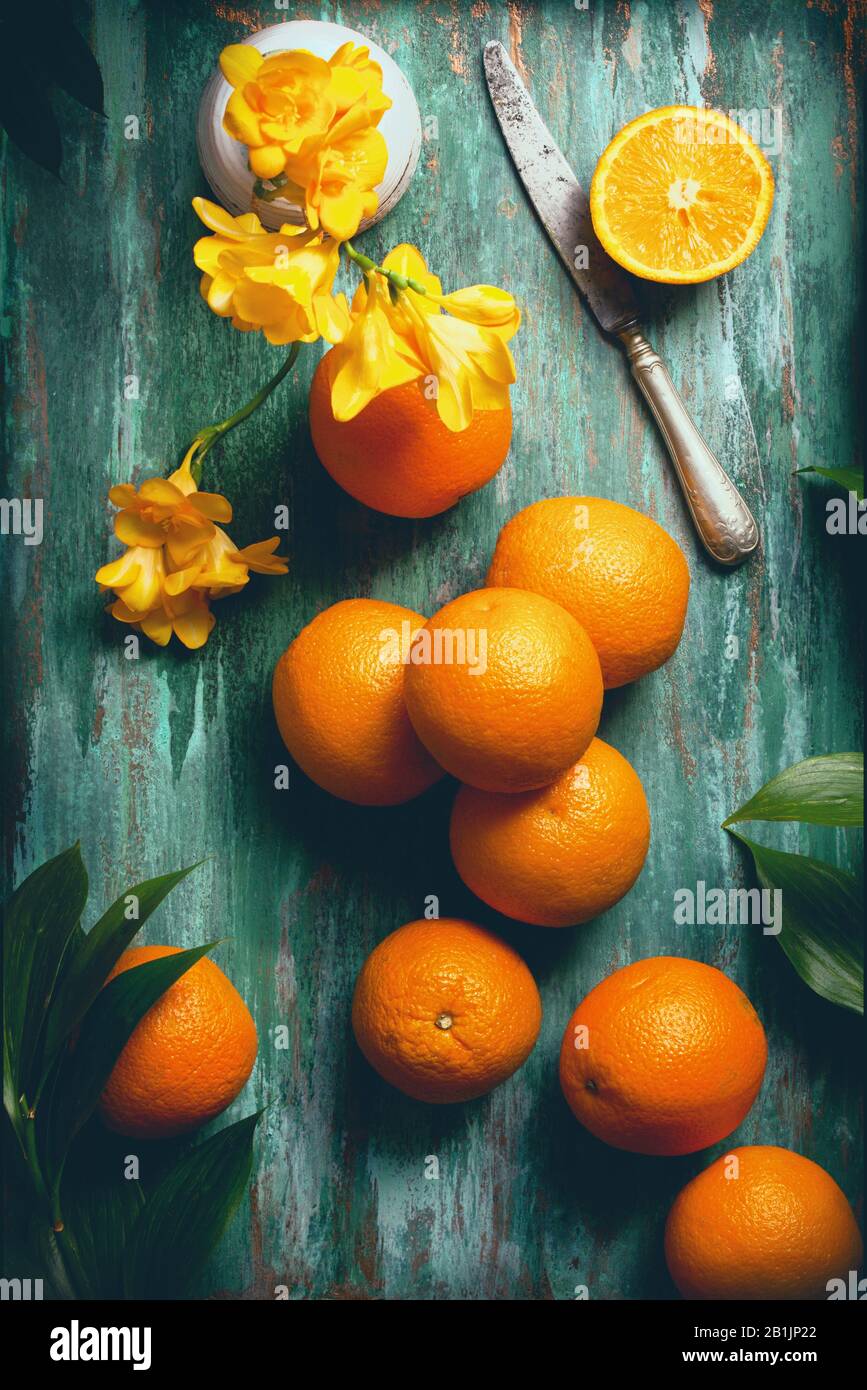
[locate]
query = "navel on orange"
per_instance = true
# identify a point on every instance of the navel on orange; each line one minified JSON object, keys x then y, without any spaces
{"x":665,"y":1056}
{"x":444,"y":1010}
{"x":761,"y":1223}
{"x":681,"y":194}
{"x":188,"y":1058}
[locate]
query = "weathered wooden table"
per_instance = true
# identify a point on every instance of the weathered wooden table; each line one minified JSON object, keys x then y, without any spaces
{"x":157,"y":762}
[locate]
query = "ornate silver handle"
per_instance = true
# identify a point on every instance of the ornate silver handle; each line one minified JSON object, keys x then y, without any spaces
{"x":722,"y":518}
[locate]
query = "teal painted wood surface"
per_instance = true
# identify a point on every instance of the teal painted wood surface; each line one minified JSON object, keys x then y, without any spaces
{"x":157,"y":762}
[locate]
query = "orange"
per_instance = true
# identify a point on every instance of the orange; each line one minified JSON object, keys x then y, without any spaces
{"x":681,"y":194}
{"x":188,"y":1058}
{"x":398,"y":457}
{"x":761,"y":1223}
{"x":559,"y":855}
{"x":338,"y":698}
{"x":445,"y":1010}
{"x":614,"y":569}
{"x":504,"y":689}
{"x":665,"y":1056}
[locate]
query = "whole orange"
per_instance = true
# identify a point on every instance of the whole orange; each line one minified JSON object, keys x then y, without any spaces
{"x":616,"y":570}
{"x":561,"y":854}
{"x":188,"y":1058}
{"x":338,"y":697}
{"x":445,"y":1010}
{"x":504,"y":689}
{"x":398,"y":457}
{"x":761,"y":1223}
{"x":665,"y":1056}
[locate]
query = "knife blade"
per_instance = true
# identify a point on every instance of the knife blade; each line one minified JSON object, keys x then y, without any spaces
{"x":558,"y":198}
{"x":725,"y":525}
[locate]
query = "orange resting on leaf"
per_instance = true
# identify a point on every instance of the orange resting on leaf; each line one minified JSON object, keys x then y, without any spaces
{"x":762,"y":1223}
{"x":187,"y":1059}
{"x":397,"y":456}
{"x":665,"y":1056}
{"x":444,"y":1010}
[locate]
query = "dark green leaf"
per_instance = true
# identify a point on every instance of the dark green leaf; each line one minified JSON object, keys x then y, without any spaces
{"x":100,"y":1208}
{"x":821,"y":913}
{"x":38,"y":922}
{"x":184,"y":1218}
{"x":84,"y":1069}
{"x":61,"y":53}
{"x":820,"y":791}
{"x":96,"y":953}
{"x":850,"y":479}
{"x":25,"y":109}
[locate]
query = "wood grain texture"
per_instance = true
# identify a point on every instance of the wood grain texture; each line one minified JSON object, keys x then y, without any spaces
{"x":157,"y":762}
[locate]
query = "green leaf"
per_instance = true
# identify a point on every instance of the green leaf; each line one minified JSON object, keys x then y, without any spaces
{"x":38,"y":923}
{"x":25,"y":109}
{"x":821,"y":910}
{"x":62,"y":54}
{"x":100,"y":1208}
{"x":850,"y":479}
{"x":185,"y":1216}
{"x":820,"y":791}
{"x":80,"y":1077}
{"x":93,"y":956}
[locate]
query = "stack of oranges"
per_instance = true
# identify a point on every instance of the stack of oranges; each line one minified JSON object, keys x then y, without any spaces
{"x":503,"y":689}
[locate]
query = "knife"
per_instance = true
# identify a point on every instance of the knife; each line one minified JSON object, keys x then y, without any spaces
{"x":722,"y":518}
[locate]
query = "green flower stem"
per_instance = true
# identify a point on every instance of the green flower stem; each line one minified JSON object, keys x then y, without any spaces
{"x":207,"y":438}
{"x":400,"y":282}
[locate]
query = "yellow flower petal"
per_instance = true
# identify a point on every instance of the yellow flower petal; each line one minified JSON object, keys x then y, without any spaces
{"x":161,"y":492}
{"x":222,"y":222}
{"x":239,"y":63}
{"x":260,"y":557}
{"x":158,"y":627}
{"x":132,"y":529}
{"x":484,"y":305}
{"x":118,"y":573}
{"x":407,"y":260}
{"x":241,"y":121}
{"x":194,"y":628}
{"x":122,"y":495}
{"x":212,"y":505}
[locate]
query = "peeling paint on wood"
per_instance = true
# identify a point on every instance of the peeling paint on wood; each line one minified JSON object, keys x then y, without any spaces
{"x":158,"y":762}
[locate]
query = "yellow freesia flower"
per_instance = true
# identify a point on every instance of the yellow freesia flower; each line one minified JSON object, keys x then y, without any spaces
{"x":177,"y":559}
{"x":277,"y":282}
{"x":372,"y":357}
{"x":278,"y":102}
{"x":188,"y":616}
{"x":401,"y":337}
{"x":335,"y":182}
{"x":311,"y":125}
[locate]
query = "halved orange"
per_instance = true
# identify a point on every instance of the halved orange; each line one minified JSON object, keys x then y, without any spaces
{"x":681,"y":194}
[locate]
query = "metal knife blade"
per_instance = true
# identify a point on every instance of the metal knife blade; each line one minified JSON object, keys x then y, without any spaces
{"x":558,"y":198}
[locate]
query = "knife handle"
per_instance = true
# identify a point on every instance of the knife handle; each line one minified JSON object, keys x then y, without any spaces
{"x":722,"y":518}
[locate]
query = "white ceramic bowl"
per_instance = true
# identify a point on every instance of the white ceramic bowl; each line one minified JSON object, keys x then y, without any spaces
{"x":224,"y":160}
